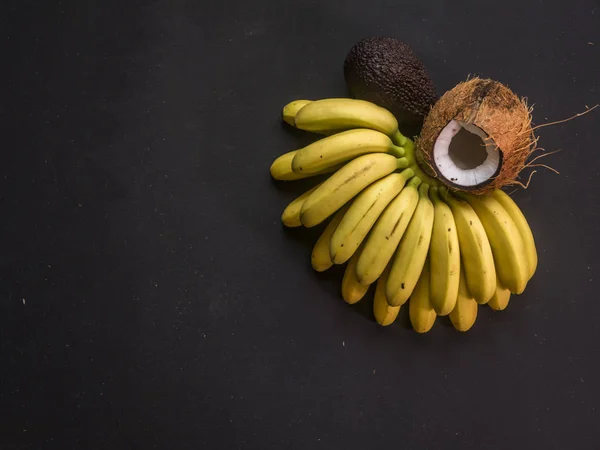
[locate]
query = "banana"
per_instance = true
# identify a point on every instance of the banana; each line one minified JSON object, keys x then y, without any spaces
{"x":363,"y":213}
{"x":347,"y":182}
{"x":352,"y":290}
{"x":320,"y":258}
{"x":475,"y":252}
{"x":412,"y":251}
{"x":291,"y":109}
{"x":421,"y":312}
{"x":500,"y":299}
{"x":281,"y":169}
{"x":510,"y":259}
{"x":464,"y":314}
{"x":345,"y":113}
{"x":444,"y":257}
{"x":387,"y":232}
{"x":291,"y":214}
{"x":524,"y":230}
{"x":384,"y":313}
{"x":342,"y":147}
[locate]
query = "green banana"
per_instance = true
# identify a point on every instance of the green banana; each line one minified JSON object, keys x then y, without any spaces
{"x":384,"y":313}
{"x":281,"y":169}
{"x":510,"y":258}
{"x":291,"y":109}
{"x":475,"y":252}
{"x":320,"y":258}
{"x":347,"y":182}
{"x":345,"y":113}
{"x":524,"y":230}
{"x":444,"y":257}
{"x":420,"y":311}
{"x":352,"y":290}
{"x":291,"y":214}
{"x":464,"y":313}
{"x":387,"y":232}
{"x":412,"y":251}
{"x":342,"y":147}
{"x":363,"y":213}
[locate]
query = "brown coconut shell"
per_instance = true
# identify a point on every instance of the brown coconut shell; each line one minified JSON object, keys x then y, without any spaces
{"x":494,"y":108}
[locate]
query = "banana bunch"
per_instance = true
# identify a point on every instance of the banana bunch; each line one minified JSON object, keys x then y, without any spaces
{"x":442,"y":252}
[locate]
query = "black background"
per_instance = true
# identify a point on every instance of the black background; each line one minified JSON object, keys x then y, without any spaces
{"x":149,"y":296}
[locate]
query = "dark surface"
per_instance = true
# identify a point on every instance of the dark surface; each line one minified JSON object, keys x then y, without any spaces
{"x":150,"y":297}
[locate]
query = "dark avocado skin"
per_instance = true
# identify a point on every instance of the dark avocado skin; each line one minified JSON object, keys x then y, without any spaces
{"x":386,"y":71}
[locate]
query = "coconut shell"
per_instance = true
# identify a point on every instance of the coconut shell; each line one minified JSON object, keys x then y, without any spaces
{"x":495,"y":109}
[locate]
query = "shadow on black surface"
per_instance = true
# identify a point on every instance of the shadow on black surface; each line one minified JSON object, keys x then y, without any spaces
{"x":331,"y":279}
{"x":302,"y":137}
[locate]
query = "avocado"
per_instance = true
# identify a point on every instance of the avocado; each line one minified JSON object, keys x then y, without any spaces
{"x":386,"y":71}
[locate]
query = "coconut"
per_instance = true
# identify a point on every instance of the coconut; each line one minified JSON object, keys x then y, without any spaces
{"x":477,"y":137}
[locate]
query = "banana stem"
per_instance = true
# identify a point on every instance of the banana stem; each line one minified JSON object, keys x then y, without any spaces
{"x":398,"y":152}
{"x":433,"y":194}
{"x":409,"y":145}
{"x":443,"y":193}
{"x":399,"y":139}
{"x":424,"y":189}
{"x":409,"y":154}
{"x":407,"y":174}
{"x":402,"y":163}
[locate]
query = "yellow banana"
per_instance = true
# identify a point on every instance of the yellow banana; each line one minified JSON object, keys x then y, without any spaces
{"x":363,"y":213}
{"x":352,"y":290}
{"x":524,"y":230}
{"x":281,"y":169}
{"x":444,"y":257}
{"x":475,"y":252}
{"x":500,"y":299}
{"x":384,"y":313}
{"x":510,"y":259}
{"x":421,"y":312}
{"x":464,"y":314}
{"x":291,"y":214}
{"x":387,"y":232}
{"x":342,"y":147}
{"x":347,"y":182}
{"x":320,"y":258}
{"x":412,"y":251}
{"x":291,"y":109}
{"x":345,"y":113}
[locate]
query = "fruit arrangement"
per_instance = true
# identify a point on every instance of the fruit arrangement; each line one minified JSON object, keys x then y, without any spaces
{"x":424,"y":219}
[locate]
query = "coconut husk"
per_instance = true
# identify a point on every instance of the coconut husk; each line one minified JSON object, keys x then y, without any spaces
{"x":494,"y":108}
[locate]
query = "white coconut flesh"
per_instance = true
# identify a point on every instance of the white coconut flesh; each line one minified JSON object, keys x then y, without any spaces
{"x":464,"y":155}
